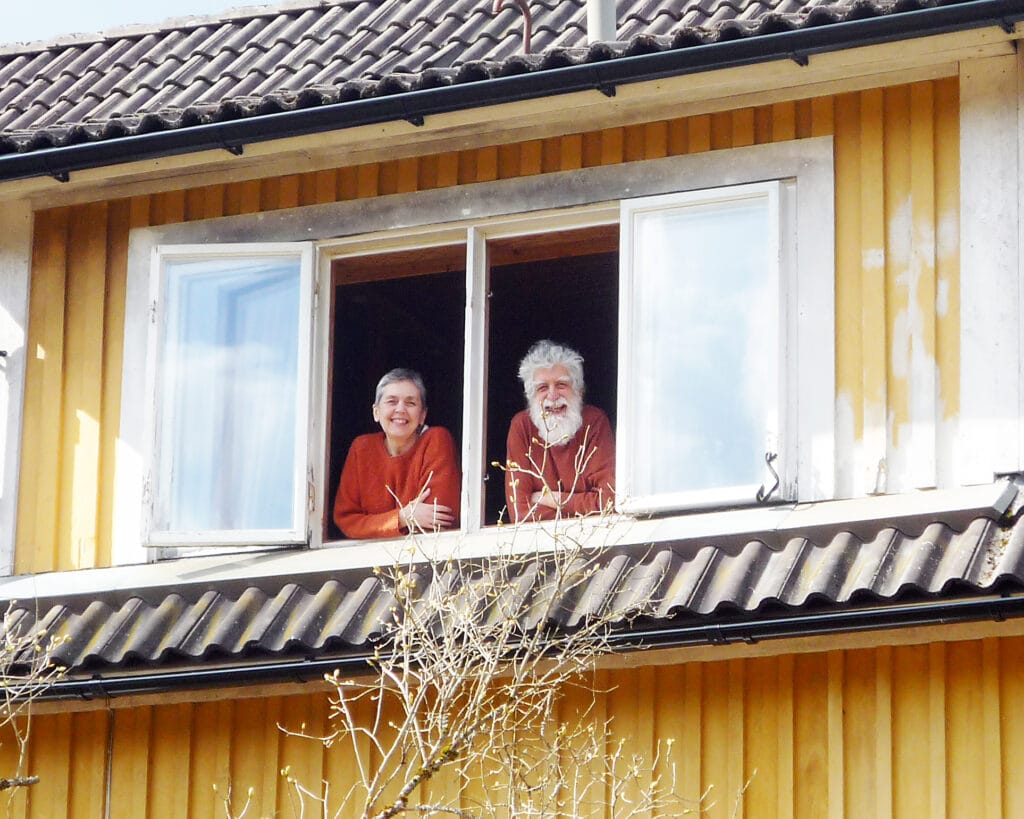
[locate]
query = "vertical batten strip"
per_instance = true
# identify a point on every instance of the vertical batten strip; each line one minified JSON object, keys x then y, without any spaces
{"x":738,"y":775}
{"x":836,"y":735}
{"x":874,"y":328}
{"x":169,"y":778}
{"x":83,"y":381}
{"x":859,"y":711}
{"x":910,"y":736}
{"x":1011,"y":711}
{"x":131,"y":787}
{"x":989,"y":437}
{"x":967,"y":731}
{"x":921,"y":317}
{"x":937,"y":779}
{"x":41,"y":476}
{"x":761,"y":737}
{"x":899,"y":209}
{"x":810,"y":739}
{"x":991,"y":729}
{"x":119,"y":217}
{"x":50,"y":796}
{"x":947,"y":278}
{"x":849,"y":364}
{"x":883,"y":735}
{"x":716,"y":749}
{"x":644,"y":733}
{"x":128,"y":469}
{"x":88,"y":763}
{"x":786,"y":762}
{"x":692,"y":736}
{"x":743,"y":127}
{"x":699,"y":134}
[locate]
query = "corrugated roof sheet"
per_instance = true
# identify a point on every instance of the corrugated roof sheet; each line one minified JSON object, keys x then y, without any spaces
{"x":331,"y":614}
{"x":296,"y":56}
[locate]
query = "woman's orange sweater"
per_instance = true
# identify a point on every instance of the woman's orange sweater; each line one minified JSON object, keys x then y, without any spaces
{"x":365,"y":506}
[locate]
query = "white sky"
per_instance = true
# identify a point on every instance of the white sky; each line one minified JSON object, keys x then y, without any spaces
{"x":25,"y":21}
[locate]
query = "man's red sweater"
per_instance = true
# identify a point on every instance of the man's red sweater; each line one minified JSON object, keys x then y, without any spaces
{"x":583,"y":467}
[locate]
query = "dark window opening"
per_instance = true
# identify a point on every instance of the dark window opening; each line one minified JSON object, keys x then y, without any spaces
{"x":403,"y":309}
{"x":562,"y":286}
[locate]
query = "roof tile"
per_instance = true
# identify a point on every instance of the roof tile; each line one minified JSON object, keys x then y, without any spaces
{"x":349,"y":44}
{"x":690,"y":581}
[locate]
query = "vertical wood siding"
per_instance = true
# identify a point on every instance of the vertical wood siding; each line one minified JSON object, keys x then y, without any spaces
{"x":932,"y":730}
{"x":897,"y":277}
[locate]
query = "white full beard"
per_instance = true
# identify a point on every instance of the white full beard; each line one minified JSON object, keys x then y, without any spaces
{"x":557,"y":430}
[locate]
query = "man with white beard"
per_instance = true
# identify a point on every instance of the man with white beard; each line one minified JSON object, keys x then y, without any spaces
{"x":560,"y":452}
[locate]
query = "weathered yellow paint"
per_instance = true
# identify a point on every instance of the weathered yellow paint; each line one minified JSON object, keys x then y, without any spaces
{"x":897,"y":284}
{"x":929,"y":730}
{"x":41,"y":474}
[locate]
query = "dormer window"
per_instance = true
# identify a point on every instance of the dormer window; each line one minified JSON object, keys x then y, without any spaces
{"x":704,"y":312}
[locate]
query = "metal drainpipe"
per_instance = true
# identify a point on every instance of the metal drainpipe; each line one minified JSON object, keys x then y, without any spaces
{"x":601,"y":25}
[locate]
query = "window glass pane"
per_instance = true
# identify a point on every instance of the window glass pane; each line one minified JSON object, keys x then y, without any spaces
{"x":704,"y":346}
{"x":227,"y":394}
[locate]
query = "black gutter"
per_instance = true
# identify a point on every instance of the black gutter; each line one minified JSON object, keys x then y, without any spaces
{"x":740,"y":629}
{"x":603,"y":76}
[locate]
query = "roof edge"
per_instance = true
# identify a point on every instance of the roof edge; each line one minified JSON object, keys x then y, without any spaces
{"x":713,"y":630}
{"x":603,"y":76}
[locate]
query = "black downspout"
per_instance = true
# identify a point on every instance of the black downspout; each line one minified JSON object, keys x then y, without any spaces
{"x":740,"y":629}
{"x":603,"y":76}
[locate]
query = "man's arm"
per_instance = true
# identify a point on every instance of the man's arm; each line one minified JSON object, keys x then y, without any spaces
{"x":594,"y":467}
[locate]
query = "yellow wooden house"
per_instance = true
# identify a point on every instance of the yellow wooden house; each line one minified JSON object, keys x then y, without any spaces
{"x":786,"y":238}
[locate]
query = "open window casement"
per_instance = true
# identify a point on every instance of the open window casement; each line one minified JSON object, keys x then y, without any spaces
{"x":702,"y":362}
{"x":228,"y":395}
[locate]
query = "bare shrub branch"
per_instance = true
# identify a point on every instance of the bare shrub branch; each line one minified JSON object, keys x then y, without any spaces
{"x":27,"y":669}
{"x":483,"y":692}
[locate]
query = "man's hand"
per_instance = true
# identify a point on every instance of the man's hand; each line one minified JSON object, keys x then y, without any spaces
{"x":552,"y":500}
{"x":424,"y":515}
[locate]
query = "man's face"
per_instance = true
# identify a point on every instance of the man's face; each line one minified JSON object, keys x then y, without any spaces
{"x":555,"y":406}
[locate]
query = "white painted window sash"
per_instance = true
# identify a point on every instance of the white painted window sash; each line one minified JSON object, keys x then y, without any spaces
{"x":638,"y":352}
{"x":154,"y":533}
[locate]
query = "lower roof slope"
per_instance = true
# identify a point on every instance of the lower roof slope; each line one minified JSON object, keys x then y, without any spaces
{"x":689,"y":591}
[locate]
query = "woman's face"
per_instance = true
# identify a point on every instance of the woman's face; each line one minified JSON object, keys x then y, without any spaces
{"x":400,"y":412}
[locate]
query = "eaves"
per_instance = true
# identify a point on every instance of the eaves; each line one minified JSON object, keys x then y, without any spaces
{"x":622,"y":89}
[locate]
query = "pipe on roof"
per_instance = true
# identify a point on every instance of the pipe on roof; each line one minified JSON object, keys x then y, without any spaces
{"x":603,"y":76}
{"x":524,"y":9}
{"x":742,"y":628}
{"x":601,"y":27}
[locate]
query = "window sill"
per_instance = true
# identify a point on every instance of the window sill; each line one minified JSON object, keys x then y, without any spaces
{"x":864,"y":517}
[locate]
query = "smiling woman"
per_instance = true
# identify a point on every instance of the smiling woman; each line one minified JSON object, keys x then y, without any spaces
{"x":404,"y":478}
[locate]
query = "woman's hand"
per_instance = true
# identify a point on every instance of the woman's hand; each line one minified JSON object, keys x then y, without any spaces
{"x":424,"y":515}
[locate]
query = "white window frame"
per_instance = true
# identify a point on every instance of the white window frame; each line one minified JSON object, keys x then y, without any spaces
{"x":298,"y":531}
{"x":483,"y":211}
{"x":780,"y":275}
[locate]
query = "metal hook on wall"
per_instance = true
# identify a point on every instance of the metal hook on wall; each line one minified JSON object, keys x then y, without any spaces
{"x":769,"y":459}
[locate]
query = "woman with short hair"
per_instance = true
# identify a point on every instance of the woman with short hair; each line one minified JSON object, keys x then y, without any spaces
{"x":404,"y":478}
